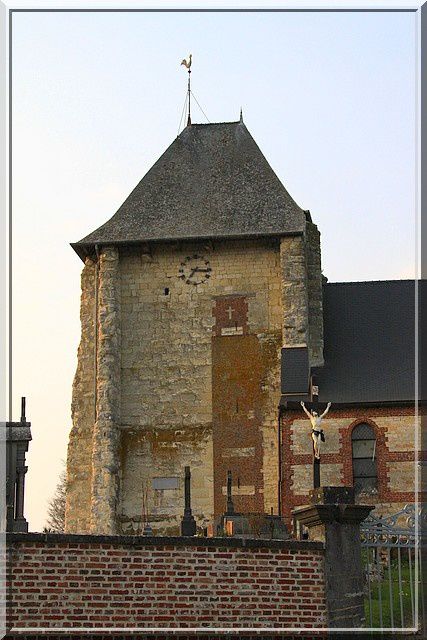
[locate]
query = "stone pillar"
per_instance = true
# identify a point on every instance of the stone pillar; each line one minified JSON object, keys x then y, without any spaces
{"x":314,"y":294}
{"x":79,"y":455}
{"x":105,"y":451}
{"x":294,"y":291}
{"x":18,"y":436}
{"x":334,"y":519}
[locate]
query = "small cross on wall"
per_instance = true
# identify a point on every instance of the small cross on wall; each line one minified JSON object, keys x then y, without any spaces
{"x":230,"y":313}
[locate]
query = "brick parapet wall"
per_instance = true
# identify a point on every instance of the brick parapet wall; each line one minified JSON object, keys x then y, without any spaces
{"x":72,"y":581}
{"x":179,"y":634}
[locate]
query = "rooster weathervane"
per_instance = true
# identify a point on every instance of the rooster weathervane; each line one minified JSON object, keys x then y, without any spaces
{"x":187,"y":65}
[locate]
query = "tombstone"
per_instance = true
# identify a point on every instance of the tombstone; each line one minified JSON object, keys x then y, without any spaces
{"x":18,"y":435}
{"x":274,"y":528}
{"x":147,"y":530}
{"x":233,"y":523}
{"x":188,"y":523}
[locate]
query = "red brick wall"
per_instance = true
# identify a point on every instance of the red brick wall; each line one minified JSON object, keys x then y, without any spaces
{"x":230,"y":312}
{"x":241,"y":364}
{"x":64,"y":581}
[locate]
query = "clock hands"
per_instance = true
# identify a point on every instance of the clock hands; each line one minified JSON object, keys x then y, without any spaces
{"x":188,"y":273}
{"x":198,"y":270}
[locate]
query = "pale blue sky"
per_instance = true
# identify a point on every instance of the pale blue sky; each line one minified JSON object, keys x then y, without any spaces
{"x":97,"y":97}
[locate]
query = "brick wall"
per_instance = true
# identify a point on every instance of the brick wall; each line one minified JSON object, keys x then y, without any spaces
{"x":398,"y":439}
{"x":64,"y":581}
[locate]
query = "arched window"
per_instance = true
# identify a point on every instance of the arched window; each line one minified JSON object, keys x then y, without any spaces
{"x":365,"y":477}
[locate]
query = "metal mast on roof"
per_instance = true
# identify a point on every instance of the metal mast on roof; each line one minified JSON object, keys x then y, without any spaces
{"x":187,"y":64}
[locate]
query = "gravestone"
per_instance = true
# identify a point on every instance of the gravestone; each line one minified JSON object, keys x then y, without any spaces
{"x":188,"y":523}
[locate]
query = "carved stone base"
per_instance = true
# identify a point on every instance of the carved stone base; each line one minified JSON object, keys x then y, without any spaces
{"x":188,"y":526}
{"x":20,"y":525}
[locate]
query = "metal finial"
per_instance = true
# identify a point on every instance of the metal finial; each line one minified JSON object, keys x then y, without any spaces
{"x":23,"y":418}
{"x":187,"y":65}
{"x":241,"y":114}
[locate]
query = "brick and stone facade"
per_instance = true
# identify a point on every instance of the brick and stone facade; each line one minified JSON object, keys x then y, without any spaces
{"x":398,"y":439}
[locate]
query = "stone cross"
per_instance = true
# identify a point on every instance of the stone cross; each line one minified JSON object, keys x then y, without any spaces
{"x":188,"y":523}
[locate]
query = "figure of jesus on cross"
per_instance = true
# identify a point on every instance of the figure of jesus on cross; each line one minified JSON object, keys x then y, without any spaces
{"x":316,"y":432}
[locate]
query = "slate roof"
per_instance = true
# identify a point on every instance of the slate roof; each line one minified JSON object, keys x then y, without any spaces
{"x":212,"y":182}
{"x":369,"y":333}
{"x":295,"y":371}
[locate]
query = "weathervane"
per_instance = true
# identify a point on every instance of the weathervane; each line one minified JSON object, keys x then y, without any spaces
{"x":187,"y":64}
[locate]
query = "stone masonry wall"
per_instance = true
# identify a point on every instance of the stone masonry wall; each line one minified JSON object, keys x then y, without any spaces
{"x":397,"y":443}
{"x":107,"y":582}
{"x":105,"y":447}
{"x":302,"y":302}
{"x":79,"y":458}
{"x":187,"y":373}
{"x":294,"y":291}
{"x":168,"y":380}
{"x":315,"y":295}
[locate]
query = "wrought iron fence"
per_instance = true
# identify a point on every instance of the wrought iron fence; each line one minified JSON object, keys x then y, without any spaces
{"x":391,"y":548}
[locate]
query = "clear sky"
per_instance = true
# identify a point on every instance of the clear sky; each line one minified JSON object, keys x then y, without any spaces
{"x":97,"y":97}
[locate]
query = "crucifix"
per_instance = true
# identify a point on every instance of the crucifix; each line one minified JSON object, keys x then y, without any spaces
{"x":230,"y":313}
{"x":317,"y":434}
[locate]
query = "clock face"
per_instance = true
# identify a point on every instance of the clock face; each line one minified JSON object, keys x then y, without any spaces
{"x":195,"y":270}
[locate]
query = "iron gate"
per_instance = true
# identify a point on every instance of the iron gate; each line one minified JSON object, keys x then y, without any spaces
{"x":391,"y":550}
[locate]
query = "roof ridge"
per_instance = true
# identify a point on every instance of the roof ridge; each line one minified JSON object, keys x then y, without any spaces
{"x":372,"y":281}
{"x":211,"y":124}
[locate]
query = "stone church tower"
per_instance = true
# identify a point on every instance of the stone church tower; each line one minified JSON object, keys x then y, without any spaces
{"x":189,"y":292}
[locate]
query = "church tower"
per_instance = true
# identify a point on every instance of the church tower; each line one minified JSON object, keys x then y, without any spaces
{"x":189,"y":293}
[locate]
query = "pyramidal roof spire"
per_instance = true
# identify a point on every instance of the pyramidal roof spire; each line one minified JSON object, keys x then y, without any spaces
{"x":212,"y":182}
